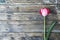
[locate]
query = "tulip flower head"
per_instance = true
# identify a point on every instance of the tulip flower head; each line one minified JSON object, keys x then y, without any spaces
{"x":44,"y":11}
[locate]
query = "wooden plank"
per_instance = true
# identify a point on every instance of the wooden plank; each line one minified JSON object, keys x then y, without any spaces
{"x":24,"y":1}
{"x":26,"y":8}
{"x":55,"y":36}
{"x":18,"y":36}
{"x":27,"y":16}
{"x":25,"y":28}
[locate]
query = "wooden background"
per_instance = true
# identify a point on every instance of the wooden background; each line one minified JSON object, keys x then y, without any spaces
{"x":21,"y":18}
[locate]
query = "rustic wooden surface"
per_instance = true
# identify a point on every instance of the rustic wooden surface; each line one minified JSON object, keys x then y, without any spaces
{"x":21,"y":18}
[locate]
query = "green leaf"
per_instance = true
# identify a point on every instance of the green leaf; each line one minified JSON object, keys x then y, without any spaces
{"x":50,"y":29}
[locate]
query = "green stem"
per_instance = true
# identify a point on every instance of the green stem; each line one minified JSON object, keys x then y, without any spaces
{"x":44,"y":29}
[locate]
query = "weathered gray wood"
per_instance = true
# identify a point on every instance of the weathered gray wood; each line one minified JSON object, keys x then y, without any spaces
{"x":18,"y":36}
{"x":21,"y":18}
{"x":10,"y":8}
{"x":24,"y":1}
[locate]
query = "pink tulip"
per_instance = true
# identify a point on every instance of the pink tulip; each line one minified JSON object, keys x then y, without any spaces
{"x":44,"y":11}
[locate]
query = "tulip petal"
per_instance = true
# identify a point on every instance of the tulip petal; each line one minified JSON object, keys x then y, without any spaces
{"x":44,"y":11}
